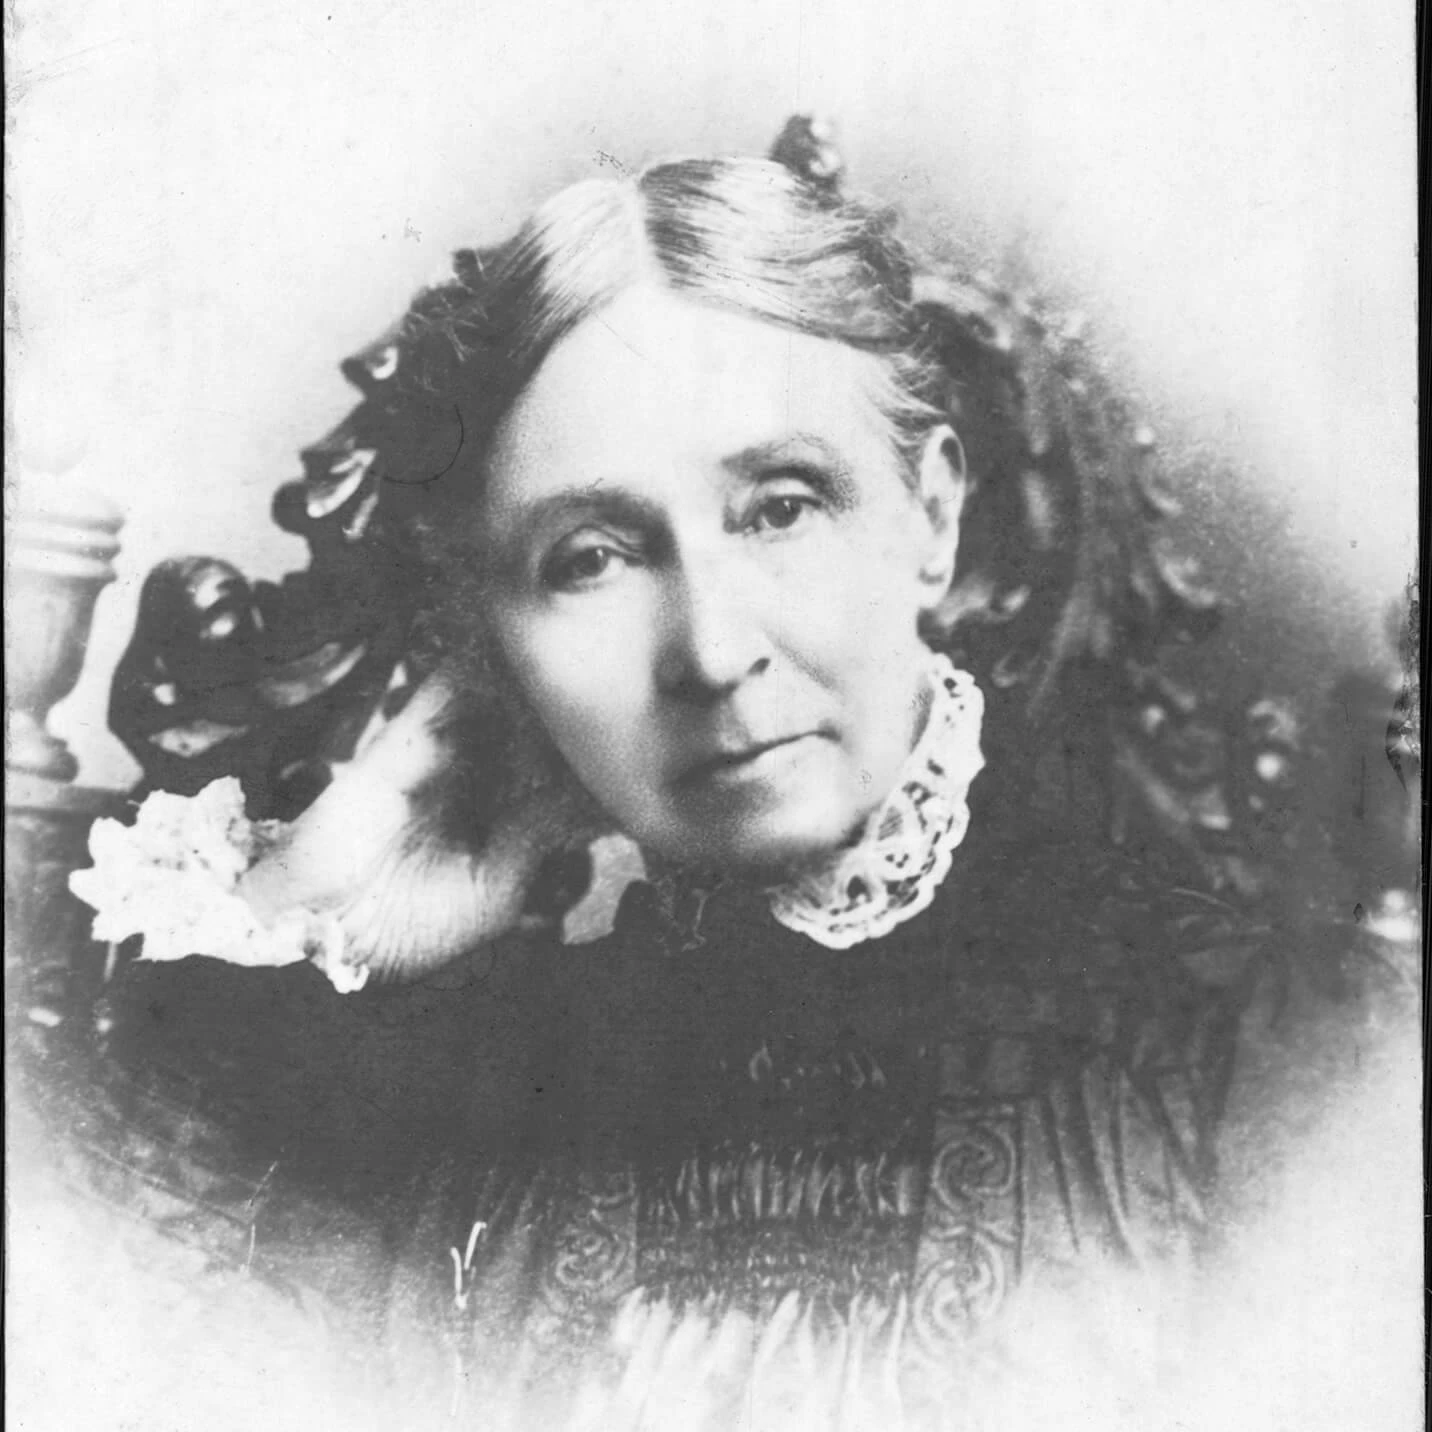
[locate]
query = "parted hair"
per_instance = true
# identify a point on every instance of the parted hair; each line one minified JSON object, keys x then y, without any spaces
{"x":1064,"y":602}
{"x":1067,"y":597}
{"x":1061,"y":567}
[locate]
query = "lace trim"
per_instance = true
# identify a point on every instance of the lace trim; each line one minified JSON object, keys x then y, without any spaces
{"x":173,"y":877}
{"x":891,"y":871}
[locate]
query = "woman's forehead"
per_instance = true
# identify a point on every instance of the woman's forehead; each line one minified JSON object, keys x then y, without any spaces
{"x":656,"y":379}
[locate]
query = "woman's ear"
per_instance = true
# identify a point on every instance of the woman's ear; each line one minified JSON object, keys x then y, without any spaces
{"x":941,"y":484}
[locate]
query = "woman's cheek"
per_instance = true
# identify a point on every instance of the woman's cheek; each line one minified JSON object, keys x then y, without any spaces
{"x":845,"y":591}
{"x":586,"y":674}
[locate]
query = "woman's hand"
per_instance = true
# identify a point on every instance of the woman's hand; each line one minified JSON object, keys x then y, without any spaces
{"x":372,"y":849}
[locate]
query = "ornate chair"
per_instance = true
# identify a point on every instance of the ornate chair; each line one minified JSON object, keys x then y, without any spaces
{"x":277,"y":683}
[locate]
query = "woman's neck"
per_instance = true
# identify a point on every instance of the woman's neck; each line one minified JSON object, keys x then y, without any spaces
{"x":891,"y":863}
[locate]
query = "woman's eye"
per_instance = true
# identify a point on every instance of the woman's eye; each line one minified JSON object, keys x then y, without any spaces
{"x":778,"y":514}
{"x":583,"y":567}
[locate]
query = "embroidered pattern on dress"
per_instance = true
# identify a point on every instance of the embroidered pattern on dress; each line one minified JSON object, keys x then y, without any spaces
{"x":892,"y":870}
{"x":591,"y":1262}
{"x":970,"y":1245}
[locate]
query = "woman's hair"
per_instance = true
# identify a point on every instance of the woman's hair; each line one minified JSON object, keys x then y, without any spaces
{"x":1060,"y":481}
{"x":1060,"y":570}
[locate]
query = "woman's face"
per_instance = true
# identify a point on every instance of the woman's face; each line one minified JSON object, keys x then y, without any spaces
{"x":708,"y":569}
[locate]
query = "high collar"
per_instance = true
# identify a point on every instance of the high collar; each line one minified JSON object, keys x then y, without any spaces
{"x":891,"y":870}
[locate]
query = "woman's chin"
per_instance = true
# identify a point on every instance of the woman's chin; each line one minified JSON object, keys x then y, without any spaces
{"x":768,"y":848}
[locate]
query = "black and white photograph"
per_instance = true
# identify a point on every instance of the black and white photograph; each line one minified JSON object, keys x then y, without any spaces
{"x":713,"y":716}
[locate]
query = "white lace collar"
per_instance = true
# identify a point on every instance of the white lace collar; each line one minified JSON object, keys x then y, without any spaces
{"x":891,"y":871}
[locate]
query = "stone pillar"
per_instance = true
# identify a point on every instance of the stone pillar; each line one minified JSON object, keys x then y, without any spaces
{"x":61,"y":544}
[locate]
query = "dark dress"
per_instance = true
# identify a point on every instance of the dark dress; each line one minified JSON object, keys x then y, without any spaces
{"x":706,"y":1144}
{"x":734,"y":1144}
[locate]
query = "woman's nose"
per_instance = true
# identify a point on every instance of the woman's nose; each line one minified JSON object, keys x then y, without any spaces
{"x":712,"y":639}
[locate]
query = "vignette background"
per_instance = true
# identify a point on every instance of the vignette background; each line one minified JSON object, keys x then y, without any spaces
{"x":209,"y":206}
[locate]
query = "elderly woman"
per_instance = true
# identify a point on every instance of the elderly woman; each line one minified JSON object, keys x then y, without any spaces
{"x":826,"y":582}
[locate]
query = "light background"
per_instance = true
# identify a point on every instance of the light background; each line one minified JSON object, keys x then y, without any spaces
{"x":211,"y":205}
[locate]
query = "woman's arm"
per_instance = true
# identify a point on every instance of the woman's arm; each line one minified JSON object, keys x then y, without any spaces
{"x":378,"y":848}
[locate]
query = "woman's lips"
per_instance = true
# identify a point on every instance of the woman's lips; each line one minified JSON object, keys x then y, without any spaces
{"x":749,"y":763}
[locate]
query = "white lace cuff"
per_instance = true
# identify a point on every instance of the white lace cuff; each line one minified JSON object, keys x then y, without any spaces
{"x":172,"y":877}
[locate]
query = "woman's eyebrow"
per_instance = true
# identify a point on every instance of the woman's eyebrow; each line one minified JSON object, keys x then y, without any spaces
{"x":792,"y":447}
{"x":618,"y":504}
{"x":799,"y":450}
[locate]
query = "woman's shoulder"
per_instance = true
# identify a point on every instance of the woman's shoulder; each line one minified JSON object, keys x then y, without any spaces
{"x":1051,"y":906}
{"x":336,"y":1090}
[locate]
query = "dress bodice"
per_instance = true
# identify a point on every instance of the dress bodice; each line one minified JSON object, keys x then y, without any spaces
{"x":732,"y":1127}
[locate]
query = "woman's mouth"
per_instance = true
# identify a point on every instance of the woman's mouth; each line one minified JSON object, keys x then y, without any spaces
{"x":756,"y":761}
